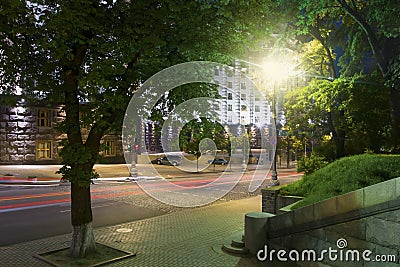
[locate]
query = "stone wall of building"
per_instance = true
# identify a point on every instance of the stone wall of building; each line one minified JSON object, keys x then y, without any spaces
{"x":19,"y":134}
{"x":22,"y":128}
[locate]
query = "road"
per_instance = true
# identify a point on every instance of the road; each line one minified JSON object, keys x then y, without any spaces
{"x":33,"y":213}
{"x":29,"y":213}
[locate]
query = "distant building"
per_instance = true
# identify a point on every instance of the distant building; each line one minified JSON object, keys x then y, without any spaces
{"x":242,"y":102}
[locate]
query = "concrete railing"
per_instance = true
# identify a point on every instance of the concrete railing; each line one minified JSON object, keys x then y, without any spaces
{"x":357,"y":204}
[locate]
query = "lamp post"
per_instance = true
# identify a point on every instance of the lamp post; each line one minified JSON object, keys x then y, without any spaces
{"x":275,"y":71}
{"x":274,"y":174}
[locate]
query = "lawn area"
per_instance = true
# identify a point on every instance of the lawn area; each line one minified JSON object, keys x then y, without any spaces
{"x":342,"y":176}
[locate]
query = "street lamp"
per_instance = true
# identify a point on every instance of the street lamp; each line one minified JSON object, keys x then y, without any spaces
{"x":274,"y":175}
{"x":275,"y":72}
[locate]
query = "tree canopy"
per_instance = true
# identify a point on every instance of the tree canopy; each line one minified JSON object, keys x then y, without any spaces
{"x":98,"y":53}
{"x":359,"y":42}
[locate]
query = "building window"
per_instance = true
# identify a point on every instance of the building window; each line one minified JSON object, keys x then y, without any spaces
{"x":109,"y":149}
{"x":243,"y":85}
{"x":43,"y":150}
{"x":229,"y":84}
{"x":229,"y":107}
{"x":243,"y":108}
{"x":243,"y":96}
{"x":257,"y":97}
{"x":229,"y":96}
{"x":230,"y":119}
{"x":43,"y":118}
{"x":257,"y":108}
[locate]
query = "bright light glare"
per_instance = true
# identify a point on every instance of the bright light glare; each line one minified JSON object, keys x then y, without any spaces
{"x":278,"y":71}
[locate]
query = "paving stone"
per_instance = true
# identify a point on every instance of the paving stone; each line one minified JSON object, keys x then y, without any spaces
{"x":180,"y":238}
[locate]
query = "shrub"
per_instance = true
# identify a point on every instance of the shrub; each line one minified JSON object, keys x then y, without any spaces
{"x":344,"y":175}
{"x":311,"y":164}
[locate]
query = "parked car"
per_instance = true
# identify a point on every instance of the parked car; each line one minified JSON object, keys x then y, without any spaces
{"x":172,"y":160}
{"x":219,"y":161}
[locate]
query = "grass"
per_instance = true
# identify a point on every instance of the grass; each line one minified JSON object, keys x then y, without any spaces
{"x":342,"y":176}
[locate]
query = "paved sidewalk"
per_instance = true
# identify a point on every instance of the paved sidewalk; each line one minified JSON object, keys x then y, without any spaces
{"x":192,"y":237}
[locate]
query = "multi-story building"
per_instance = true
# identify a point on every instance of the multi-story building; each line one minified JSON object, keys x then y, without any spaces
{"x":242,"y":102}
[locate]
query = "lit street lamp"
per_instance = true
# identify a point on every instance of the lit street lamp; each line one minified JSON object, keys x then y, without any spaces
{"x":275,"y":71}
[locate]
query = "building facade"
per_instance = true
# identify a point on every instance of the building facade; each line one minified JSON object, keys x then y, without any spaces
{"x":241,"y":102}
{"x":28,"y":135}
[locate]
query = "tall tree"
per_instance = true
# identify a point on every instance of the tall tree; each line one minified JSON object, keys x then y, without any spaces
{"x":377,"y":19}
{"x":314,"y":110}
{"x":365,"y":116}
{"x":98,"y":52}
{"x":374,"y":38}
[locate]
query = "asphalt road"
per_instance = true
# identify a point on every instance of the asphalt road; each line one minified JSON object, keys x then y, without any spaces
{"x":29,"y":217}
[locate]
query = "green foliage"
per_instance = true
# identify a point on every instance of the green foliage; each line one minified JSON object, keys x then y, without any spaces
{"x":357,"y":105}
{"x":344,"y":175}
{"x":195,"y":131}
{"x":77,"y":163}
{"x":99,"y":52}
{"x":181,"y":94}
{"x":311,"y":164}
{"x":362,"y":36}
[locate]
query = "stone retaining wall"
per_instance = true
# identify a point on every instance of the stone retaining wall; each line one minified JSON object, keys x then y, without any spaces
{"x":272,"y":202}
{"x":367,"y":218}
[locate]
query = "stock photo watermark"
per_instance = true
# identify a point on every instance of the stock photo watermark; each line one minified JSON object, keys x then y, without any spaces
{"x":138,"y":113}
{"x":338,"y":254}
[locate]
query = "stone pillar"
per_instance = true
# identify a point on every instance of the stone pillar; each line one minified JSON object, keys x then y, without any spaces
{"x":255,"y":230}
{"x":269,"y":199}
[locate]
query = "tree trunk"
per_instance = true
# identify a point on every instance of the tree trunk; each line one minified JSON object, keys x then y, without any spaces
{"x":288,"y":151}
{"x":81,"y":216}
{"x":339,"y":141}
{"x":395,"y":118}
{"x":338,"y":136}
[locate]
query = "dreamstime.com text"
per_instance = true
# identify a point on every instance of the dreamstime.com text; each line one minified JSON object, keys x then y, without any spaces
{"x":331,"y":254}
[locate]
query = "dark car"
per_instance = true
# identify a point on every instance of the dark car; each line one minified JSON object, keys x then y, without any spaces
{"x":172,"y":160}
{"x":218,"y":161}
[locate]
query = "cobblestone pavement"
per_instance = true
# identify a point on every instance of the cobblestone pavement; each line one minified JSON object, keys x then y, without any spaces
{"x":190,"y":237}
